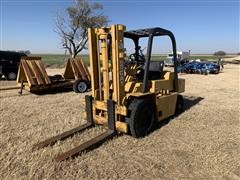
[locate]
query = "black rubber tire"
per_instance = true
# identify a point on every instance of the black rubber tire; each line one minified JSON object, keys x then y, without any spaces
{"x":217,"y":71}
{"x":179,"y":105}
{"x":11,"y":76}
{"x":142,"y":117}
{"x":80,"y":86}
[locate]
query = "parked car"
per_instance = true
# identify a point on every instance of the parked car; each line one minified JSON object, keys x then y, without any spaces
{"x":9,"y":62}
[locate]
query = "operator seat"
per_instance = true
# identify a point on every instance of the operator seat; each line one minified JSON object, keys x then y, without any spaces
{"x":155,"y":71}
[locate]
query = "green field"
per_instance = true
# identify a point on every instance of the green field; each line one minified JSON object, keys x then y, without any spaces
{"x":58,"y":61}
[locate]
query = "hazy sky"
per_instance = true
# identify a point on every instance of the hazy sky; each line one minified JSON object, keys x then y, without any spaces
{"x":202,"y":26}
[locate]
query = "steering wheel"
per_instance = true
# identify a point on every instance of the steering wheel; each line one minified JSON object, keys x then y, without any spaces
{"x":132,"y":58}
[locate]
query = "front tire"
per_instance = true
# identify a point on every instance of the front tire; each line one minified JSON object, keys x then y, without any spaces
{"x":142,"y":117}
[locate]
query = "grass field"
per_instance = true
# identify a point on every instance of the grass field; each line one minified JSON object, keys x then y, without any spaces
{"x":202,"y":143}
{"x":57,"y":60}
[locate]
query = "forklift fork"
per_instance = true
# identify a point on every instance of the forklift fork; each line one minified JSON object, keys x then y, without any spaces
{"x":91,"y":144}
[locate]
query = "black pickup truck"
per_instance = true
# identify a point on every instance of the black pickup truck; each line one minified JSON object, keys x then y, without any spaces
{"x":9,"y":62}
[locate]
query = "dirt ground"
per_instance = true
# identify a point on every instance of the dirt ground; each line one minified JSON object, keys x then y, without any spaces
{"x":232,"y":60}
{"x":201,"y":143}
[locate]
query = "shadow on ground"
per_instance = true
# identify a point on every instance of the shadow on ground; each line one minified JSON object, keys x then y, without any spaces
{"x":53,"y":91}
{"x":189,"y":102}
{"x":56,"y":91}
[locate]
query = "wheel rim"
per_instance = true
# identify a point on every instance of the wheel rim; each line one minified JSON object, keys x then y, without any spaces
{"x":82,"y":87}
{"x":12,"y":76}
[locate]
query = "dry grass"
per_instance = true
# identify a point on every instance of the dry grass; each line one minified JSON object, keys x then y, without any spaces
{"x":232,"y":60}
{"x":202,"y":143}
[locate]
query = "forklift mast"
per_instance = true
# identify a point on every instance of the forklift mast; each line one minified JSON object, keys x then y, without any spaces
{"x":106,"y":49}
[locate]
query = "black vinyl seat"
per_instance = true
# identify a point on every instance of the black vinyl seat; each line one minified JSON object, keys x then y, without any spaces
{"x":155,"y":70}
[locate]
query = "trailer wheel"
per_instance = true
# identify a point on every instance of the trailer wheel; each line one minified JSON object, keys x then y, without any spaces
{"x":80,"y":86}
{"x":142,"y":117}
{"x":179,"y":105}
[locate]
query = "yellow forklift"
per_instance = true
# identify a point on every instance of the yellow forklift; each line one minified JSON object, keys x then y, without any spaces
{"x":130,"y":92}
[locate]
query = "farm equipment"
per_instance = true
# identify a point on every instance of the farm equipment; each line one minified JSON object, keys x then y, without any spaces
{"x":128,"y":94}
{"x":32,"y":76}
{"x":199,"y":68}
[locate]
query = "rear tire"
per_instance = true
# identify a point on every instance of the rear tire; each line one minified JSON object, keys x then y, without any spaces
{"x":80,"y":86}
{"x":142,"y":117}
{"x":179,"y":105}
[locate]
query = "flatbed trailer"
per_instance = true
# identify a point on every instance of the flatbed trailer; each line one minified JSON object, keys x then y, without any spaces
{"x":32,"y":75}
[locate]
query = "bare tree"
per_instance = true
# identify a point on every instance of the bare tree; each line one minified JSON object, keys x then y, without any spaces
{"x":72,"y":28}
